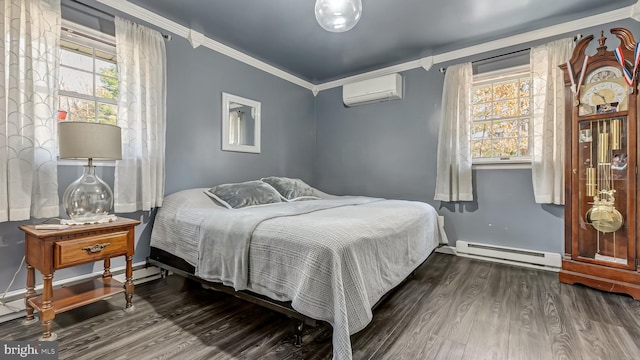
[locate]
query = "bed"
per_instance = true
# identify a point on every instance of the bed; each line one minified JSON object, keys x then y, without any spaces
{"x":325,"y":257}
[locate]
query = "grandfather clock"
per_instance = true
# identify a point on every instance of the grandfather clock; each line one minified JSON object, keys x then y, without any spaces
{"x":601,"y":242}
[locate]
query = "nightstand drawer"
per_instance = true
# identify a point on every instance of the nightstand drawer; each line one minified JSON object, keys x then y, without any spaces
{"x":89,"y":249}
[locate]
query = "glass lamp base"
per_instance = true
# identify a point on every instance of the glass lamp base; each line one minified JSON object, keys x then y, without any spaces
{"x":87,"y":199}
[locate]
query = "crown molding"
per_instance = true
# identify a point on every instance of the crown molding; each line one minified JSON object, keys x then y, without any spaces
{"x":428,"y":62}
{"x":375,"y":73}
{"x":635,"y":11}
{"x":196,"y":39}
{"x":534,"y":35}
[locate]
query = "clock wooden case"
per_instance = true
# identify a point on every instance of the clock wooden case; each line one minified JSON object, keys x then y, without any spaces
{"x":601,"y":139}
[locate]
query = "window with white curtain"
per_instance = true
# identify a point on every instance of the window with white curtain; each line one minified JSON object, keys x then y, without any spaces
{"x":501,"y":111}
{"x":236,"y":120}
{"x":88,"y":75}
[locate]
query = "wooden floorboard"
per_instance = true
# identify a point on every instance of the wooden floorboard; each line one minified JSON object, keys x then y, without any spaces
{"x":452,"y":308}
{"x":489,"y":335}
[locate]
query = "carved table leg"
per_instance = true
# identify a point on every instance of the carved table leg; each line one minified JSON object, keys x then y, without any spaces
{"x":107,"y":268}
{"x":128,"y":285}
{"x":47,"y":313}
{"x":31,"y":293}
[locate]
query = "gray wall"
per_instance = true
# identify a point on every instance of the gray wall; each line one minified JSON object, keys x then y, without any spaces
{"x":385,"y":149}
{"x":389,"y":150}
{"x":196,"y":80}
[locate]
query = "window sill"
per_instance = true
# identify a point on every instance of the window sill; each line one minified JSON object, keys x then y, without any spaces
{"x":508,"y":165}
{"x":101,"y":163}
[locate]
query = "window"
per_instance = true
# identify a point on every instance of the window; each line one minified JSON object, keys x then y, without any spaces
{"x":88,"y":75}
{"x":501,"y":116}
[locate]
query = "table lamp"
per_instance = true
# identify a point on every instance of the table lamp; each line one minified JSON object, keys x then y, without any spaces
{"x":88,"y":199}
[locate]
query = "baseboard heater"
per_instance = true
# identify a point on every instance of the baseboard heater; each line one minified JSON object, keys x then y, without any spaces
{"x":508,"y":255}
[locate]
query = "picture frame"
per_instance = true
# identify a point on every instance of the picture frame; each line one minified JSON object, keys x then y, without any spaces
{"x":241,"y":124}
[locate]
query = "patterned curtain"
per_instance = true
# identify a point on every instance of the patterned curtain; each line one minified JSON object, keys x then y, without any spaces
{"x":139,"y":176}
{"x":453,"y":181}
{"x":29,"y":44}
{"x":548,"y":148}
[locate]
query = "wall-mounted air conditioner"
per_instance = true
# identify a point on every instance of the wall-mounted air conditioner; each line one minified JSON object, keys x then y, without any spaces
{"x":382,"y":88}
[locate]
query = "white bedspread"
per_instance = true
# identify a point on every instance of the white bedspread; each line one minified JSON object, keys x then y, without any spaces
{"x":332,"y":258}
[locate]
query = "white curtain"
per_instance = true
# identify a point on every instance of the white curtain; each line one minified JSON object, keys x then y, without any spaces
{"x":453,"y":181}
{"x":548,"y":150}
{"x":139,"y":176}
{"x":29,"y":64}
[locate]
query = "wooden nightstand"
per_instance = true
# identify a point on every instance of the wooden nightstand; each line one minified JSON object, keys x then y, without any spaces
{"x":50,"y":250}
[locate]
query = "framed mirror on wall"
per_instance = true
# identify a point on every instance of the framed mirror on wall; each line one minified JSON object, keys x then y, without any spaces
{"x":240,"y":124}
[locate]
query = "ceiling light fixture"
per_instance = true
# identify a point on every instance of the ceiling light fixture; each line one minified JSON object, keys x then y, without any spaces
{"x":338,"y":15}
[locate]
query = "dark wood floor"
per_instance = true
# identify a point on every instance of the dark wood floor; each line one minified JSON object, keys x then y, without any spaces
{"x":454,"y":308}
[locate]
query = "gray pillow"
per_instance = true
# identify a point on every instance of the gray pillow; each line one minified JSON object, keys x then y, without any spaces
{"x":250,"y":193}
{"x":291,"y":189}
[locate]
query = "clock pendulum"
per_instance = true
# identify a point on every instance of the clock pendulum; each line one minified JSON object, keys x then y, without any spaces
{"x":591,"y":171}
{"x":603,"y":215}
{"x":616,"y":132}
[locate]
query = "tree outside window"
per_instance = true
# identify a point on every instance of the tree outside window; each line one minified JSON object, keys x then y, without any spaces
{"x":88,"y":79}
{"x":501,"y":115}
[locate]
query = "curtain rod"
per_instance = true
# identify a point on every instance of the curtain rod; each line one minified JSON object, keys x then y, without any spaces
{"x":165,"y":36}
{"x":93,"y":8}
{"x":443,"y":69}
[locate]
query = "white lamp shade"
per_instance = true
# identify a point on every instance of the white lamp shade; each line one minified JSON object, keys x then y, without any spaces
{"x":85,"y":140}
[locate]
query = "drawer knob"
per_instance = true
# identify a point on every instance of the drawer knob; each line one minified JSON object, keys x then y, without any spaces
{"x":96,"y":248}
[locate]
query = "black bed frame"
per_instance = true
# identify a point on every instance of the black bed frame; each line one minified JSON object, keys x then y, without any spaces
{"x":170,"y":263}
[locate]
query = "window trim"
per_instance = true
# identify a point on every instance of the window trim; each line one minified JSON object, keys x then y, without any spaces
{"x":497,"y":74}
{"x":520,"y":162}
{"x":71,"y":28}
{"x":511,"y":164}
{"x":101,"y":41}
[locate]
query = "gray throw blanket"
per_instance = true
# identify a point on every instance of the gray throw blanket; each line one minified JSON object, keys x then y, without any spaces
{"x":332,"y":258}
{"x":226,"y":241}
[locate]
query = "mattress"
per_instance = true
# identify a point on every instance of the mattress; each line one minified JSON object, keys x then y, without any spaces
{"x":332,"y":258}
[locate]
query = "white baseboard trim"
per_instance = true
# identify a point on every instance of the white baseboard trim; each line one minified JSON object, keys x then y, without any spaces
{"x":12,"y":310}
{"x":13,"y":306}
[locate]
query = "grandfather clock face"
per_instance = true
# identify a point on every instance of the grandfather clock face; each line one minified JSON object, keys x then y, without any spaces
{"x":605,"y":90}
